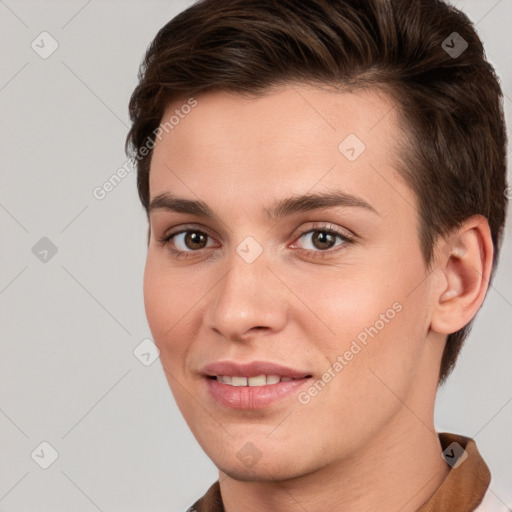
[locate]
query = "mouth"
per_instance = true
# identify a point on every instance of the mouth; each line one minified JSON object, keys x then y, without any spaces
{"x":254,"y":385}
{"x":253,"y":371}
{"x":257,"y":381}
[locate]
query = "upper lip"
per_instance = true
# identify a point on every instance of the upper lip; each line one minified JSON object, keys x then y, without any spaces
{"x":252,"y":369}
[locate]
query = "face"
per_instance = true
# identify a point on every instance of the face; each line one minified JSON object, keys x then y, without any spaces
{"x":287,"y":328}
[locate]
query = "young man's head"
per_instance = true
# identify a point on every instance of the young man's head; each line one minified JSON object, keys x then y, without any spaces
{"x":326,"y":188}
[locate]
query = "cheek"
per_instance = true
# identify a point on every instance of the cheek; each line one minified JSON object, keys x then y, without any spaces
{"x":156,"y":299}
{"x":345,"y":303}
{"x":382,"y":352}
{"x":166,"y":315}
{"x":376,"y":362}
{"x":374,"y":314}
{"x":164,"y":306}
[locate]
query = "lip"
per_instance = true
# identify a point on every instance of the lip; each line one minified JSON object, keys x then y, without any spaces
{"x":252,"y":397}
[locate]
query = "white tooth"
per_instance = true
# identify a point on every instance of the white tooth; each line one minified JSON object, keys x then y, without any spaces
{"x":286,"y":379}
{"x":239,"y":381}
{"x":219,"y":378}
{"x":226,"y":379}
{"x":260,"y":380}
{"x":273,"y":379}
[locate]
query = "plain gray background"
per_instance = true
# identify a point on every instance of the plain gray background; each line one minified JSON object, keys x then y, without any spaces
{"x":70,"y":323}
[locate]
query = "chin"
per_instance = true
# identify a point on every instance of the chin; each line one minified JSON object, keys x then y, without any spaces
{"x":261,"y":472}
{"x":272,"y":463}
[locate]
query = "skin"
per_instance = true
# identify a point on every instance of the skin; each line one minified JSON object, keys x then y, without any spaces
{"x":367,"y":440}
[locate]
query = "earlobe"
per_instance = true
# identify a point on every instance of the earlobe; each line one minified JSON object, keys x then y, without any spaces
{"x":465,"y":264}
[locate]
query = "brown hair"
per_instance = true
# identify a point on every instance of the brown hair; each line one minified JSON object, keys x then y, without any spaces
{"x":451,"y":104}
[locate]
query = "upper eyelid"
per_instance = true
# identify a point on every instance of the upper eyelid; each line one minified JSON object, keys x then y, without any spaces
{"x":319,"y":226}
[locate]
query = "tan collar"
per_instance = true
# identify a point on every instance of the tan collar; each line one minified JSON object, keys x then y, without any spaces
{"x":464,"y":487}
{"x":461,"y":491}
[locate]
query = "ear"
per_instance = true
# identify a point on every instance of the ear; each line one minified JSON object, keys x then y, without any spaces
{"x":149,"y":233}
{"x":464,"y":264}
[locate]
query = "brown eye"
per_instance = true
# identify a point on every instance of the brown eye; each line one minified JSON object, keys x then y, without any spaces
{"x":190,"y":240}
{"x":320,"y":240}
{"x":195,"y":240}
{"x":323,"y":239}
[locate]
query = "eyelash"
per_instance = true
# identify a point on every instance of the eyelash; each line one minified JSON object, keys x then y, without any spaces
{"x":166,"y":241}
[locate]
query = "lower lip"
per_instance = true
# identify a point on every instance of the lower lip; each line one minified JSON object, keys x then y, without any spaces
{"x":252,"y":397}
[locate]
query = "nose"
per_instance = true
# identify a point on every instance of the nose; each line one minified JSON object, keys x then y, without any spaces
{"x":249,"y":299}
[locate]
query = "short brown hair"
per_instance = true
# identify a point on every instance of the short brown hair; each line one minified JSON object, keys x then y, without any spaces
{"x":451,"y":104}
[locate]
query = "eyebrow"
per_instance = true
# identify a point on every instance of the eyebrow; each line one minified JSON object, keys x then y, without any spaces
{"x":279,"y":209}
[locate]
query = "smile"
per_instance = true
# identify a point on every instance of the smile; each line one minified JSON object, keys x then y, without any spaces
{"x":260,"y":380}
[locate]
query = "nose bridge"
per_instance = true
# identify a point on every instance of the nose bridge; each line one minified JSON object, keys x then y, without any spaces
{"x":248,"y":294}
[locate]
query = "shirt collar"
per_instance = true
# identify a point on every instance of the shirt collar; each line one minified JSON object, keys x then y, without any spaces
{"x":469,"y":477}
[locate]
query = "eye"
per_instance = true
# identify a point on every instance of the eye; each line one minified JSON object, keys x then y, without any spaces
{"x":184,"y":242}
{"x":318,"y":240}
{"x":191,"y":239}
{"x":322,"y":239}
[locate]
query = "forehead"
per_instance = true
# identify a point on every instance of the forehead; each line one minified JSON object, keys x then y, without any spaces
{"x":293,"y":139}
